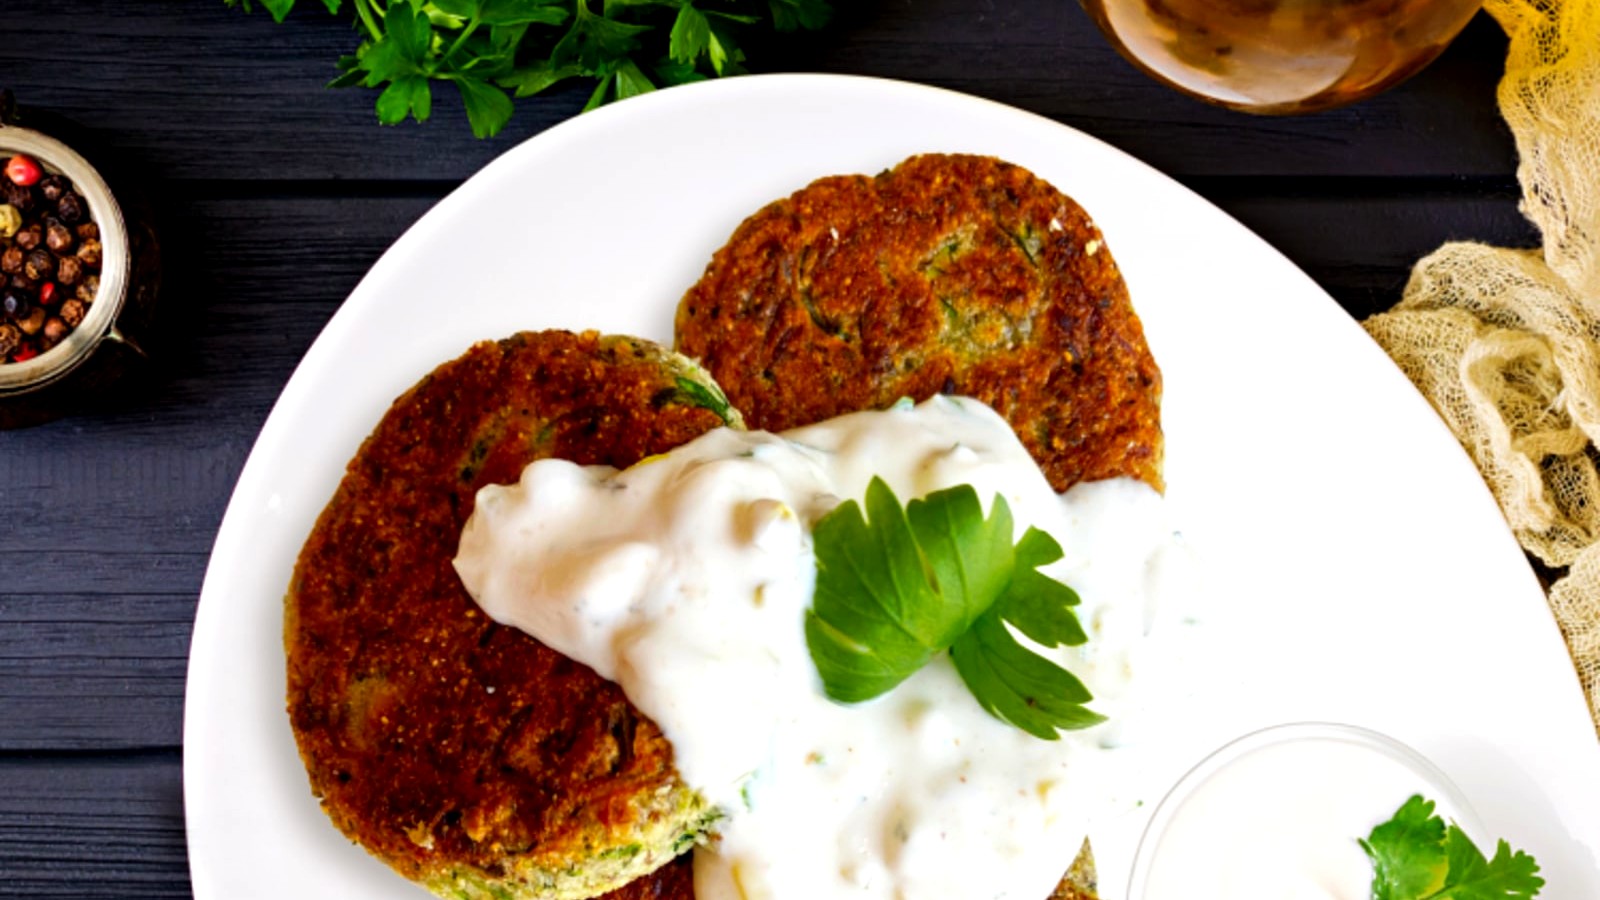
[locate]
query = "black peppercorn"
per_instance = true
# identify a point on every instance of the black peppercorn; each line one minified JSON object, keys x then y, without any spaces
{"x":72,"y":312}
{"x":15,"y":304}
{"x":29,"y":237}
{"x":50,"y":254}
{"x":69,"y":270}
{"x":40,"y":265}
{"x":58,"y":238}
{"x":16,"y":195}
{"x":53,"y":187}
{"x":90,"y":253}
{"x":32,"y":323}
{"x":70,"y":208}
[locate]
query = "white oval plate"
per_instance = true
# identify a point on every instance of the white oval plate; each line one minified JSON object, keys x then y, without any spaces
{"x":1357,"y":568}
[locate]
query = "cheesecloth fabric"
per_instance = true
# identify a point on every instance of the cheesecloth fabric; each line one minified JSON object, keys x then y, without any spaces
{"x":1506,"y":343}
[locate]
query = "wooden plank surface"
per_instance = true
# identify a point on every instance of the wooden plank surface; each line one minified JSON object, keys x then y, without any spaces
{"x":103,"y":827}
{"x":93,"y":671}
{"x":252,"y":103}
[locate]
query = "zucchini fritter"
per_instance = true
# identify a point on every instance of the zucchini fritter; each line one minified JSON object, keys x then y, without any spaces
{"x":465,"y":754}
{"x":953,"y":274}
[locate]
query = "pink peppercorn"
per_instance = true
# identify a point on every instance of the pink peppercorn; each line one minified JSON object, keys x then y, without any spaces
{"x":23,"y":170}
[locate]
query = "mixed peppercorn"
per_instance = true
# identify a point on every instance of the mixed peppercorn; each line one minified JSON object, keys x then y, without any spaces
{"x":50,"y":256}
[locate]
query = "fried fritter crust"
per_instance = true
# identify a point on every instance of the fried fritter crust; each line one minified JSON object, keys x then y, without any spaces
{"x":465,"y":754}
{"x":953,"y":274}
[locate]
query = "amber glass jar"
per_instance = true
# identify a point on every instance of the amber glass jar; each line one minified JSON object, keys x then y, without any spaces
{"x":1281,"y":56}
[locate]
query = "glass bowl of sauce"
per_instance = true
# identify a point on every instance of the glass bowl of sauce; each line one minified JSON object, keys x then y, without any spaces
{"x":1281,"y":56}
{"x":1276,"y":815}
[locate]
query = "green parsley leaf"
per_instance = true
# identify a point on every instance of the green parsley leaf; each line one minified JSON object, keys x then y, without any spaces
{"x":971,"y":557}
{"x":351,"y":73}
{"x":384,"y":61}
{"x":875,"y":616}
{"x":531,"y":80}
{"x":614,"y":6}
{"x":526,"y":46}
{"x":691,"y":35}
{"x":1407,"y":852}
{"x":725,"y":55}
{"x":409,"y":31}
{"x":899,"y":585}
{"x":1016,"y":685}
{"x":1508,"y":875}
{"x":488,"y":107}
{"x":455,"y":9}
{"x":523,"y":12}
{"x":669,"y":72}
{"x":632,"y":81}
{"x":408,"y":95}
{"x":1033,"y":601}
{"x":733,"y":17}
{"x":592,"y":40}
{"x":790,"y":15}
{"x":1415,"y":856}
{"x":278,"y":9}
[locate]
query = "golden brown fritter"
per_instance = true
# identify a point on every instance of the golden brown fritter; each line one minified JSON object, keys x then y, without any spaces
{"x":465,"y":754}
{"x":953,"y":274}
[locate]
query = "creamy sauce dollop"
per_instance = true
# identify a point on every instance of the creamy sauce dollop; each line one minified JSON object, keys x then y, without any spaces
{"x":686,"y":579}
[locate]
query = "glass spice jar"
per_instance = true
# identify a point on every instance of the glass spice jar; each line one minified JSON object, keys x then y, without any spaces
{"x":1279,"y":57}
{"x":100,"y":353}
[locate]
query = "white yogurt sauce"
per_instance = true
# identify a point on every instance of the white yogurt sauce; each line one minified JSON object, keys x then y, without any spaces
{"x":1281,"y":822}
{"x":686,"y":579}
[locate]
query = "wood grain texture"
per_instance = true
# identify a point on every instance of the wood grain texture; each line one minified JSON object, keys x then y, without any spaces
{"x":101,"y":671}
{"x":93,"y":827}
{"x":195,"y":90}
{"x":1360,"y":240}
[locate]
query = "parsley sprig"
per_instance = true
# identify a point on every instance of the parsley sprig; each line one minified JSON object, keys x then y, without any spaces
{"x":1415,"y":856}
{"x":912,"y":582}
{"x":492,"y":49}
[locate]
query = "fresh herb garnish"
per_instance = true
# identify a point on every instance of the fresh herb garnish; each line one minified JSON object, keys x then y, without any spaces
{"x":1415,"y":856}
{"x":488,"y":48}
{"x":936,"y":575}
{"x":706,"y":396}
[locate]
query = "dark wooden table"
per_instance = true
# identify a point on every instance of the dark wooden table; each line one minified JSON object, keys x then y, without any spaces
{"x":275,"y":195}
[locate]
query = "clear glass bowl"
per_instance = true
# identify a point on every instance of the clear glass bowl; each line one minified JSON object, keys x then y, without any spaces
{"x":1249,"y":782}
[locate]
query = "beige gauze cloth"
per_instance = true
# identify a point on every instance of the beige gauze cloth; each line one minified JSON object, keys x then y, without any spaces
{"x":1506,"y":343}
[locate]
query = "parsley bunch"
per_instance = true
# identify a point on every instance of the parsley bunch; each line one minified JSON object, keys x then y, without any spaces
{"x":490,"y":49}
{"x":1415,"y":856}
{"x":938,"y":576}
